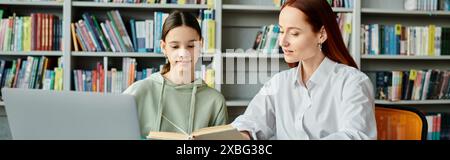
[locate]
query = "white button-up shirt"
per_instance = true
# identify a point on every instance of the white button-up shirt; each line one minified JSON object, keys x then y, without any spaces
{"x":337,"y":102}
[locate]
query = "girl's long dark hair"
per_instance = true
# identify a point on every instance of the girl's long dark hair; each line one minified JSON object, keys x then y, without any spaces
{"x":177,"y":19}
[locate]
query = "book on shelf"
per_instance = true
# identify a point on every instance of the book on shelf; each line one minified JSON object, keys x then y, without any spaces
{"x":257,"y":39}
{"x":89,"y":34}
{"x":444,"y":5}
{"x":223,"y":132}
{"x":108,"y":36}
{"x":438,"y":125}
{"x":412,"y":85}
{"x":207,"y":74}
{"x":37,"y":32}
{"x":93,"y":80}
{"x":157,"y":1}
{"x":266,"y":40}
{"x":39,"y":0}
{"x":427,"y":5}
{"x":90,"y":80}
{"x":210,"y":78}
{"x":341,"y":3}
{"x":31,"y":72}
{"x":159,"y":18}
{"x":208,"y":29}
{"x":116,"y":80}
{"x":279,"y":3}
{"x":378,"y":39}
{"x":344,"y":21}
{"x":142,"y":35}
{"x":58,"y":79}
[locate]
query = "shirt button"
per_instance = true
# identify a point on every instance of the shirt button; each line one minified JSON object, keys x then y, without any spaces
{"x":308,"y":102}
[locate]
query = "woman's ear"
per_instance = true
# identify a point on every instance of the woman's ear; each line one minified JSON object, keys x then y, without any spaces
{"x":201,"y":42}
{"x":163,"y":47}
{"x":323,"y":34}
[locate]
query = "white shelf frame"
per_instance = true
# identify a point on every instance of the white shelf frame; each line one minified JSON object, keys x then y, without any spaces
{"x":68,"y":5}
{"x":237,"y":7}
{"x":237,"y":103}
{"x":386,"y":13}
{"x":31,"y":53}
{"x":116,"y":54}
{"x":402,"y":57}
{"x":251,"y":55}
{"x":67,"y":45}
{"x":125,"y":54}
{"x":403,"y":12}
{"x":138,"y":5}
{"x":267,"y":8}
{"x":411,"y":102}
{"x":44,"y":3}
{"x":243,"y":102}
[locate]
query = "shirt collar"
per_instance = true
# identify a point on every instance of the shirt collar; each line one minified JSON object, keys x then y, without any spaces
{"x":321,"y":73}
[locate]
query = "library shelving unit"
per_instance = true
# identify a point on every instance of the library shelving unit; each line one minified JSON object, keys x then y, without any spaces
{"x":237,"y":23}
{"x":25,"y":9}
{"x":242,"y":19}
{"x":240,"y":22}
{"x":136,"y":11}
{"x":378,"y":12}
{"x":71,"y":10}
{"x":22,"y":8}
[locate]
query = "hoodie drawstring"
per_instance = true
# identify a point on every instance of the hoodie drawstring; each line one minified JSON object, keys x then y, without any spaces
{"x":192,"y":109}
{"x":160,"y":107}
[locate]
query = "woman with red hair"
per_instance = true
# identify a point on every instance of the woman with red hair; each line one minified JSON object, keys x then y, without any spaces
{"x":324,"y":95}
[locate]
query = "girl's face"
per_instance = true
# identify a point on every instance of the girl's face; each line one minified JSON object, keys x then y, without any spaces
{"x":182,"y":46}
{"x":297,"y":38}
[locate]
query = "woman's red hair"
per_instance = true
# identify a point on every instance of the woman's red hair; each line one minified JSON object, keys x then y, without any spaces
{"x":319,"y":13}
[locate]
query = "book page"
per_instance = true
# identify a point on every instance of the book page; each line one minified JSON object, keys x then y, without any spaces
{"x":167,"y":136}
{"x":224,"y":132}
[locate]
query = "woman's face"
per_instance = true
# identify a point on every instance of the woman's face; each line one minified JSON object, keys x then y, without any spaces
{"x":297,"y":38}
{"x":182,"y":46}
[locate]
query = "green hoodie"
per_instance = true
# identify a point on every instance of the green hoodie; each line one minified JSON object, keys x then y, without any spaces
{"x":165,"y":106}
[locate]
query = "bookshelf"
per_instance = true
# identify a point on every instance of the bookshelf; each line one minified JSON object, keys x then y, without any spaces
{"x":115,"y":54}
{"x":31,"y":53}
{"x":237,"y":23}
{"x":234,"y":103}
{"x":419,"y":102}
{"x":251,"y":55}
{"x":71,"y":10}
{"x":376,"y":12}
{"x":245,"y":18}
{"x":402,"y":57}
{"x":25,"y":3}
{"x":91,"y":4}
{"x":250,"y":8}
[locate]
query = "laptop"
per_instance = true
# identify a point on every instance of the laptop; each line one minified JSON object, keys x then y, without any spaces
{"x":68,"y":115}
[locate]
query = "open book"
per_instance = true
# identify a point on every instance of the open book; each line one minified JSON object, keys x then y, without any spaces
{"x":223,"y":132}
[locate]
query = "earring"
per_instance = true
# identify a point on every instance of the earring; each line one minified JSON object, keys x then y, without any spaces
{"x":320,"y":47}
